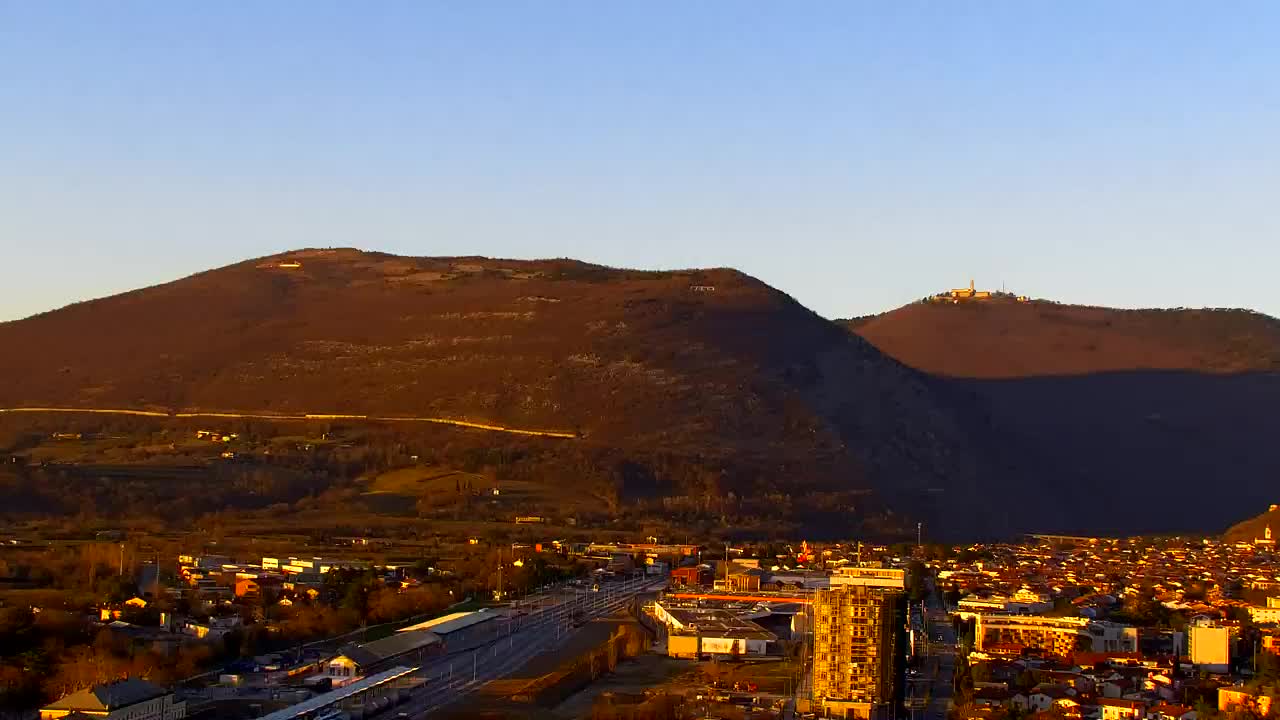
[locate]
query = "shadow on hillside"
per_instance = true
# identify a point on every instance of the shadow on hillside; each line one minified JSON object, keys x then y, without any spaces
{"x":1121,"y":453}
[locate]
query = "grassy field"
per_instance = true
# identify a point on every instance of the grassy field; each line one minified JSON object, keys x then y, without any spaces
{"x":415,"y":481}
{"x":45,"y":598}
{"x":399,"y":492}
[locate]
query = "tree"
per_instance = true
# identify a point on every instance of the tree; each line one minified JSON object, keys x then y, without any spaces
{"x":1025,"y":680}
{"x":916,"y":572}
{"x":1205,"y":711}
{"x":963,"y":684}
{"x":1268,"y":668}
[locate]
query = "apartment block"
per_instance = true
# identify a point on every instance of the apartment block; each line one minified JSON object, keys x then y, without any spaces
{"x":858,"y":644}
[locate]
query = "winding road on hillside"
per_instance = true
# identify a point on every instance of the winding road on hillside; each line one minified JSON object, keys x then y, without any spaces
{"x":282,"y":417}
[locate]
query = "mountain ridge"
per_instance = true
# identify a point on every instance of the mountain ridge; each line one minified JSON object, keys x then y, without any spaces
{"x":1165,"y":413}
{"x":700,"y":388}
{"x":756,"y":392}
{"x":995,"y":338}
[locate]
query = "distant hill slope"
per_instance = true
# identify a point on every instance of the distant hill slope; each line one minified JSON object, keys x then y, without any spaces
{"x":747,"y":389}
{"x":1115,"y":421}
{"x":706,"y":396}
{"x":1256,"y":527}
{"x":1004,"y":339}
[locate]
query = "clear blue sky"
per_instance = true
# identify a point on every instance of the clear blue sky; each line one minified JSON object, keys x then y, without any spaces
{"x":857,"y":155}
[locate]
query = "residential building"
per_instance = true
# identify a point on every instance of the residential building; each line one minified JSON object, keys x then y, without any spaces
{"x":1271,"y":643}
{"x":734,"y":576}
{"x":1265,"y":615}
{"x":1169,"y":711}
{"x":1061,"y":637}
{"x":1234,"y":699}
{"x":857,"y":643}
{"x":248,"y":589}
{"x":1210,"y":647}
{"x":128,"y":699}
{"x":1269,"y":615}
{"x":1022,"y":602}
{"x":1121,"y":709}
{"x":866,"y":576}
{"x":693,"y":575}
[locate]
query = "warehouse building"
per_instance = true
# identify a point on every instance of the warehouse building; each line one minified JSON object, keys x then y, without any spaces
{"x":461,"y":630}
{"x":696,"y":632}
{"x":356,"y":661}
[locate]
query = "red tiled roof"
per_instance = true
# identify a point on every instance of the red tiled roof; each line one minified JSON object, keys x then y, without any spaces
{"x":1120,"y":702}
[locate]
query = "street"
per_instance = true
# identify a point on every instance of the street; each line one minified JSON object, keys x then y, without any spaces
{"x":944,"y":649}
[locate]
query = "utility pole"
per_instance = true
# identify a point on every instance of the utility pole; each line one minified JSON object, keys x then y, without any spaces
{"x":726,"y":565}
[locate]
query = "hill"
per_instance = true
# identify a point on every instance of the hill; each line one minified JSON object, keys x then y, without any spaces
{"x":1255,"y":528}
{"x":702,"y":391}
{"x":1003,"y":339}
{"x":1110,"y":421}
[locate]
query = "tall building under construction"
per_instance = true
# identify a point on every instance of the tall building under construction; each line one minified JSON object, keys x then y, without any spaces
{"x":859,"y":643}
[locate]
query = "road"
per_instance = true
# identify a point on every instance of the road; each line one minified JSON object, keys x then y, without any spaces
{"x":548,"y":624}
{"x":231,"y":415}
{"x":929,"y":693}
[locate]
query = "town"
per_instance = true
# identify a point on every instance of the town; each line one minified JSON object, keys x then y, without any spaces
{"x":1052,"y":627}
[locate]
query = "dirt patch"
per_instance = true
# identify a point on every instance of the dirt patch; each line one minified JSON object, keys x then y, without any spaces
{"x":631,"y":677}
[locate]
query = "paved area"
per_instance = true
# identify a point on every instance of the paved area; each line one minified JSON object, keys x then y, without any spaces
{"x":547,"y":625}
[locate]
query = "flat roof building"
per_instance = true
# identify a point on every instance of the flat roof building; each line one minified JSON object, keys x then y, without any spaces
{"x":353,"y":693}
{"x":693,"y":632}
{"x":462,"y":629}
{"x":451,"y":623}
{"x":858,"y":643}
{"x":1210,"y":647}
{"x":869,"y":577}
{"x":1061,"y":637}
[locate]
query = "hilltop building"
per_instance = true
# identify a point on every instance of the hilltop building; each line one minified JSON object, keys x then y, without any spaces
{"x":857,"y":643}
{"x":971,"y":293}
{"x":1266,"y":538}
